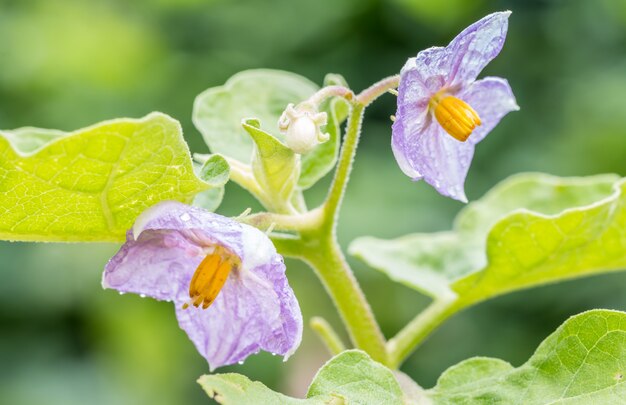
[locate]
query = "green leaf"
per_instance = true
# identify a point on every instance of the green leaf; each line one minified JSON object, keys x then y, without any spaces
{"x":261,"y":94}
{"x":275,"y":167}
{"x":322,"y":159}
{"x":236,"y":389}
{"x":583,"y":362}
{"x":28,"y":139}
{"x":351,"y":377}
{"x":354,"y":376}
{"x":215,"y":171}
{"x":530,"y":230}
{"x":90,"y":185}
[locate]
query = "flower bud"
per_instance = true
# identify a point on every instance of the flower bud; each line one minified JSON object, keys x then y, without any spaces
{"x":301,"y":126}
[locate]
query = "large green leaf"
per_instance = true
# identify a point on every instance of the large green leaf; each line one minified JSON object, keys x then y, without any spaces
{"x":583,"y":362}
{"x":530,"y":230}
{"x":262,"y":94}
{"x":351,"y":377}
{"x":90,"y":184}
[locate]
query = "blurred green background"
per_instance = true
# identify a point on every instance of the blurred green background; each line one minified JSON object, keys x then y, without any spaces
{"x":71,"y":63}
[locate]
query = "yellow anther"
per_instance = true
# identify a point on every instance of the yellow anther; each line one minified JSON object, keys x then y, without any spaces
{"x":210,"y":276}
{"x":455,"y":116}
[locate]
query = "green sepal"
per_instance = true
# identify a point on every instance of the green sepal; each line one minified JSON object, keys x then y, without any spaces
{"x":275,"y":167}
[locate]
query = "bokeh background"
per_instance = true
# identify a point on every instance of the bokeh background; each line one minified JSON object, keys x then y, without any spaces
{"x":71,"y":63}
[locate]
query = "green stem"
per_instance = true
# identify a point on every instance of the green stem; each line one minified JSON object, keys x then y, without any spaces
{"x":376,"y":90}
{"x":328,"y":335}
{"x":281,"y":222}
{"x":407,"y":340}
{"x":324,"y":256}
{"x":344,"y":167}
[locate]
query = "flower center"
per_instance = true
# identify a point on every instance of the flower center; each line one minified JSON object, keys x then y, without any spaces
{"x":455,"y":116}
{"x":210,"y":276}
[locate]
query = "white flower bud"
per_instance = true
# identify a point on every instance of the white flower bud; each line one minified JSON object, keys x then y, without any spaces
{"x":301,"y":126}
{"x":302,"y":135}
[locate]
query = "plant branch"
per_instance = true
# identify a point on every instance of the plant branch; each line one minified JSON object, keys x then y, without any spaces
{"x":328,"y":335}
{"x":344,"y":167}
{"x":281,"y":222}
{"x":407,"y":340}
{"x":326,"y":258}
{"x":367,"y":96}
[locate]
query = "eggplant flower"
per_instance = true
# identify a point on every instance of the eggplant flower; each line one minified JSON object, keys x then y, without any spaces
{"x":225,"y":278}
{"x":443,"y":111}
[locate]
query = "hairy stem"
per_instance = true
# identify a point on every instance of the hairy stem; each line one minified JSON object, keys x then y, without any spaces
{"x":331,"y":91}
{"x":376,"y":90}
{"x":326,"y":258}
{"x":344,"y":167}
{"x":328,"y":335}
{"x":407,"y":340}
{"x":282,"y":222}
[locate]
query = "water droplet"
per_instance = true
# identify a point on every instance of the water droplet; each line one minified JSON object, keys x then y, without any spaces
{"x":142,"y":295}
{"x":185,"y":217}
{"x":240,"y":363}
{"x":273,"y":354}
{"x":122,"y":293}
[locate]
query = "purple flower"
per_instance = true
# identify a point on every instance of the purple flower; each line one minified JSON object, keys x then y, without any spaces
{"x":443,"y":111}
{"x":225,"y":278}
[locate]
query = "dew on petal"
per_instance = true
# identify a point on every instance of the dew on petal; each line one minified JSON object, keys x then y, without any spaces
{"x":185,"y":217}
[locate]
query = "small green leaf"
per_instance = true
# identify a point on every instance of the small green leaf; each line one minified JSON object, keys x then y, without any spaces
{"x":530,"y":230}
{"x":215,"y":171}
{"x":582,"y":362}
{"x":236,"y":389}
{"x":210,"y":199}
{"x":261,"y":94}
{"x":354,"y":376}
{"x":90,"y":185}
{"x":351,"y":377}
{"x":275,"y":167}
{"x":322,"y":159}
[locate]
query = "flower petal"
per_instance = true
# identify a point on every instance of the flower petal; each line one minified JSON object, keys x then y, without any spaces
{"x":159,"y":264}
{"x":256,"y":310}
{"x":434,"y":156}
{"x":492,"y":98}
{"x":475,"y":47}
{"x":424,"y":75}
{"x":165,"y":247}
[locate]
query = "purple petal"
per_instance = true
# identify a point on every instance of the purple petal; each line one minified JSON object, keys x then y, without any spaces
{"x":424,"y":75}
{"x":165,"y":247}
{"x":475,"y":47}
{"x":492,"y":98}
{"x":434,"y":156}
{"x":256,"y":310}
{"x":159,"y":265}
